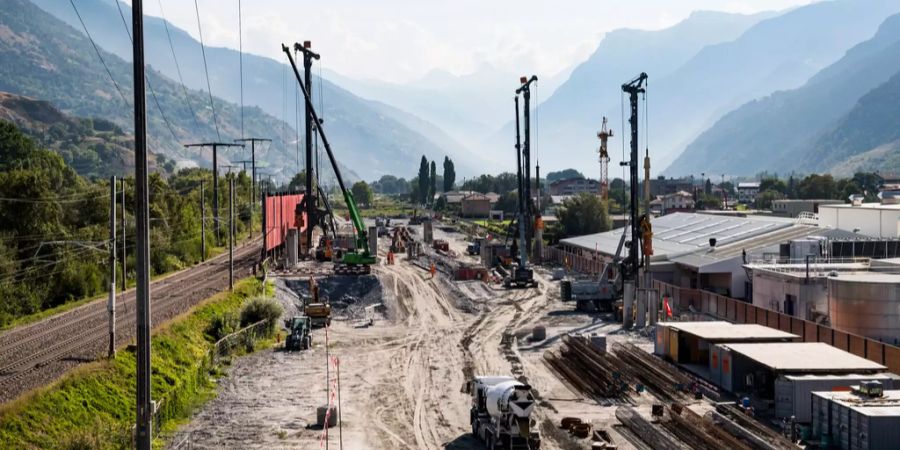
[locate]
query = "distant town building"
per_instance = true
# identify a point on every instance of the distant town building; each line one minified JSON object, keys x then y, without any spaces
{"x":664,"y":186}
{"x":793,"y":208}
{"x":456,"y":197}
{"x":476,"y":205}
{"x":680,"y":201}
{"x":575,"y":186}
{"x":747,"y":191}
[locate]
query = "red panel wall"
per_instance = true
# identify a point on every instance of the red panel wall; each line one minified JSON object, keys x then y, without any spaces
{"x":279,"y":217}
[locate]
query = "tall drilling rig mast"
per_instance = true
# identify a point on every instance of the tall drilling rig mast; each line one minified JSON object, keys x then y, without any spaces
{"x":604,"y":135}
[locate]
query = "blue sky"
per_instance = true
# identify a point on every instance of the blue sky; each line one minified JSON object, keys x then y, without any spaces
{"x":402,"y":40}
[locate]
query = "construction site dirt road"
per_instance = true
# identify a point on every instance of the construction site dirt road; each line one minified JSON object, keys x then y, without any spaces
{"x":401,"y":377}
{"x":37,"y":354}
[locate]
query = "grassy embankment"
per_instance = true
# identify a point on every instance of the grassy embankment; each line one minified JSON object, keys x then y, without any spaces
{"x":93,"y":406}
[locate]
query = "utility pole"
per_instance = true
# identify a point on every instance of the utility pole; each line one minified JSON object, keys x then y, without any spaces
{"x":144,"y":411}
{"x":309,"y":197}
{"x":202,"y":223}
{"x":215,"y":162}
{"x":124,"y":265}
{"x":111,"y":306}
{"x":253,"y":141}
{"x":525,"y":90}
{"x":231,"y":235}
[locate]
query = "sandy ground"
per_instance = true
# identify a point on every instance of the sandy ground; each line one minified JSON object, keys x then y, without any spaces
{"x":401,"y":377}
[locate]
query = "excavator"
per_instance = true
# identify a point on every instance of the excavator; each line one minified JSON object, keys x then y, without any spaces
{"x":356,"y":261}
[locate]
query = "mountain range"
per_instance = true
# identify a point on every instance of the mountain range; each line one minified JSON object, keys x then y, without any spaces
{"x":835,"y":116}
{"x":368,"y":137}
{"x":728,"y":61}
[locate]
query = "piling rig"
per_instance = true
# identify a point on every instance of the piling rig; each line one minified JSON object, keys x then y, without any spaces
{"x":521,"y":275}
{"x":356,"y":261}
{"x":640,"y":225}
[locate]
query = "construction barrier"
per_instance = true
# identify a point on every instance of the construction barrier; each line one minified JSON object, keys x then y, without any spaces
{"x":280,"y":216}
{"x":739,"y":311}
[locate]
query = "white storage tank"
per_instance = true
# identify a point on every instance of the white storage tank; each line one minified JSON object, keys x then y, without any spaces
{"x":867,"y":304}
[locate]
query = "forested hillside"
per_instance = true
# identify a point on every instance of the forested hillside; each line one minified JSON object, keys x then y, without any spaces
{"x":54,"y":226}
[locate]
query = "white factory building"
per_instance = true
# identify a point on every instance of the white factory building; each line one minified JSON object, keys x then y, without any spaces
{"x":704,"y":251}
{"x":877,"y":220}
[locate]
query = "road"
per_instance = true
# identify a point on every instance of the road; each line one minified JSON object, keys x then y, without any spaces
{"x":36,"y":354}
{"x":400,"y":377}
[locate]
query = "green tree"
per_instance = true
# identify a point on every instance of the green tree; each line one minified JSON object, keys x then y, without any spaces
{"x":362,"y":193}
{"x":773,"y":184}
{"x":449,"y":174}
{"x":563,"y":175}
{"x":415,"y":194}
{"x":583,"y":214}
{"x":709,"y":201}
{"x":423,"y":181}
{"x":764,"y":199}
{"x":508,"y":202}
{"x":818,"y":186}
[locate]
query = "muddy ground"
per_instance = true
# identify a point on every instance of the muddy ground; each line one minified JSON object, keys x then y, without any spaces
{"x":400,"y":378}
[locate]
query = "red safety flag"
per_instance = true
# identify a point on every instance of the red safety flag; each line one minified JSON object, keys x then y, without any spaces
{"x":668,"y":308}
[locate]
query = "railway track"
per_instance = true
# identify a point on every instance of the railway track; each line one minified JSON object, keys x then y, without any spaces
{"x":36,"y":354}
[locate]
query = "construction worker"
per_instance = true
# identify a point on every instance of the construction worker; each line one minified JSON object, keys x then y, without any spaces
{"x":390,"y":258}
{"x":433,"y":270}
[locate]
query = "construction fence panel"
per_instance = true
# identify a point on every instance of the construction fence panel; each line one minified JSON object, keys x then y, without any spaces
{"x":892,"y":358}
{"x":841,"y":340}
{"x":740,"y":315}
{"x":826,"y":335}
{"x":810,"y":332}
{"x":797,"y":326}
{"x":772,"y":319}
{"x":857,"y":345}
{"x":875,"y":351}
{"x":762,"y":316}
{"x":784,"y":322}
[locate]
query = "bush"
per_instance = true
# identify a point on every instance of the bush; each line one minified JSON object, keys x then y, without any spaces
{"x":222,"y":325}
{"x":261,"y":308}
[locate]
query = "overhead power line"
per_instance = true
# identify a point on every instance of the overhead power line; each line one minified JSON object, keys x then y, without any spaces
{"x":206,"y":69}
{"x":187,"y":99}
{"x":241,"y":56}
{"x":97,"y":50}
{"x":147,"y":78}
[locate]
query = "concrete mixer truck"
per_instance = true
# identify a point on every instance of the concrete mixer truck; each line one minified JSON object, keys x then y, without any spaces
{"x":501,"y":413}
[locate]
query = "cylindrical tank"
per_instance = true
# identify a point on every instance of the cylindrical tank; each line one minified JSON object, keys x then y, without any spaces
{"x":511,"y":395}
{"x":866,"y":304}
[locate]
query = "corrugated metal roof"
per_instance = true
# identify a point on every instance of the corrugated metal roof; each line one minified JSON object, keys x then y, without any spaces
{"x":721,"y":331}
{"x":804,"y":357}
{"x":685,"y":234}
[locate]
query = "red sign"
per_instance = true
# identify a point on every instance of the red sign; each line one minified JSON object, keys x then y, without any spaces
{"x":280,"y":216}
